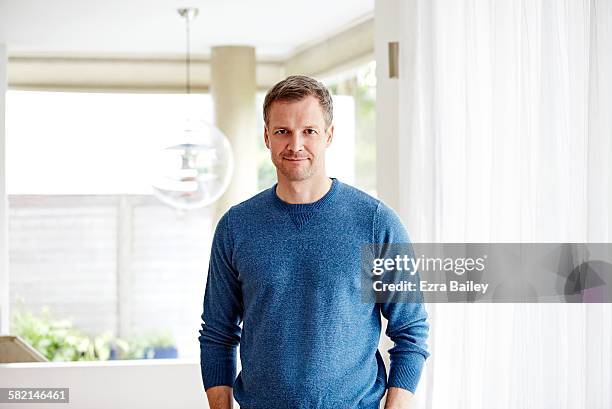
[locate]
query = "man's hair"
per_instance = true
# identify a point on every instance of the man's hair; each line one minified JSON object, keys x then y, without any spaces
{"x":296,"y":88}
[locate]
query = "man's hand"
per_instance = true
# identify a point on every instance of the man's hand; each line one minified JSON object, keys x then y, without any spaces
{"x":220,"y":397}
{"x":398,"y":398}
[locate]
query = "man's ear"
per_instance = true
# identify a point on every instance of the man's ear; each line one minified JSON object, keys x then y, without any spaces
{"x":266,"y":139}
{"x":330,"y":134}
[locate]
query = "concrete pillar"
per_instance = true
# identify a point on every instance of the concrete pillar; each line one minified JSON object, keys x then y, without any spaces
{"x":233,"y":90}
{"x":4,"y":272}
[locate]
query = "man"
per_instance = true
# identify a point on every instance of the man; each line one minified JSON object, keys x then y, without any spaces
{"x":286,"y":263}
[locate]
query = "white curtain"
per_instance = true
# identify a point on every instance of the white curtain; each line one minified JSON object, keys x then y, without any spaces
{"x":506,"y":136}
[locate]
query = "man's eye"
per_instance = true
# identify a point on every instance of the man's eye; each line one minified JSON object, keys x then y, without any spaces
{"x":310,"y":131}
{"x":281,"y":131}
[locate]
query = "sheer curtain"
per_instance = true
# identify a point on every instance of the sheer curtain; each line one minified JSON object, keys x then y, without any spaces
{"x":506,"y":136}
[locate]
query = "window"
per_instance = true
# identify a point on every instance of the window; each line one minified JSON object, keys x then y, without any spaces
{"x":358,"y":89}
{"x":86,"y":237}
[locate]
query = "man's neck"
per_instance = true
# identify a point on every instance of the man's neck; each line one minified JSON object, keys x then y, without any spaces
{"x":303,"y":191}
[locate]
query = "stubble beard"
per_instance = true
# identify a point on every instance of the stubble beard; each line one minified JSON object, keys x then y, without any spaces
{"x":295,"y":173}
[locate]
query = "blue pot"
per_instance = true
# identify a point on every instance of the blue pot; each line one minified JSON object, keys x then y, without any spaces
{"x":113,"y":353}
{"x":165,"y":352}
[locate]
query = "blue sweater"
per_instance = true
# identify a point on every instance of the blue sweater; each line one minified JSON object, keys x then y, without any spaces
{"x":291,"y":274}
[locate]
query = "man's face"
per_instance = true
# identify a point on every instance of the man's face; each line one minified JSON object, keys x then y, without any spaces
{"x":297,"y":138}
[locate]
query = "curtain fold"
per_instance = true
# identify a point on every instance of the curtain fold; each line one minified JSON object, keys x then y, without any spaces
{"x":505,"y":136}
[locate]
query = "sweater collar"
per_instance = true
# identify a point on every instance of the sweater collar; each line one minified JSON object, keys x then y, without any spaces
{"x":306,"y":207}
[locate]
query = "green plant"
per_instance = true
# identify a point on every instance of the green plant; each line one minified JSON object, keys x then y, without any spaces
{"x":58,"y":340}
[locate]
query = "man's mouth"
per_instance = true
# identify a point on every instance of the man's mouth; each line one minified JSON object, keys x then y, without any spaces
{"x":295,"y":159}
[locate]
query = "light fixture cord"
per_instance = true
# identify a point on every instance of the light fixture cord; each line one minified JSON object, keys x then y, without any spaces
{"x":188,"y":55}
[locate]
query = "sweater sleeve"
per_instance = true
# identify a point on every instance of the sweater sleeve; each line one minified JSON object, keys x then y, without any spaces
{"x":222,"y":312}
{"x":407,"y":323}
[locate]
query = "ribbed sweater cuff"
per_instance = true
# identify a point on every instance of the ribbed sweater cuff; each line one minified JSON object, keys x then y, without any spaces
{"x":406,"y":374}
{"x":215,"y":374}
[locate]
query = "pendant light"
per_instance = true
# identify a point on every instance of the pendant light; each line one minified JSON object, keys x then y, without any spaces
{"x":198,"y":168}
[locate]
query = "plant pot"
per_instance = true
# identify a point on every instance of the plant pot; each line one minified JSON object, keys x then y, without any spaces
{"x":165,"y":352}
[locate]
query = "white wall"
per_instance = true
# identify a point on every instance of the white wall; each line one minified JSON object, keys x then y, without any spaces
{"x":113,"y":385}
{"x":4,"y":291}
{"x":387,"y":121}
{"x":387,"y":102}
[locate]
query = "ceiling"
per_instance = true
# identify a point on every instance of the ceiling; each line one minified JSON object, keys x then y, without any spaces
{"x":153,"y":28}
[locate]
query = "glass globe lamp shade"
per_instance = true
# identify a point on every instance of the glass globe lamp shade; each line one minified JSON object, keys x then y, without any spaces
{"x":195,"y":172}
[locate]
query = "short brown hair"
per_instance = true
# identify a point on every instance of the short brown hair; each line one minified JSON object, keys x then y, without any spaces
{"x":296,"y":88}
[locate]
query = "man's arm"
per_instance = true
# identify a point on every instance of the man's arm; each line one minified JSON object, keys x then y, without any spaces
{"x":221,"y":317}
{"x":407,"y":323}
{"x":408,"y":328}
{"x":220,"y":397}
{"x":398,"y":398}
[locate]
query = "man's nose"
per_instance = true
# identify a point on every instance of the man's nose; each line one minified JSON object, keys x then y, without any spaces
{"x":296,"y":142}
